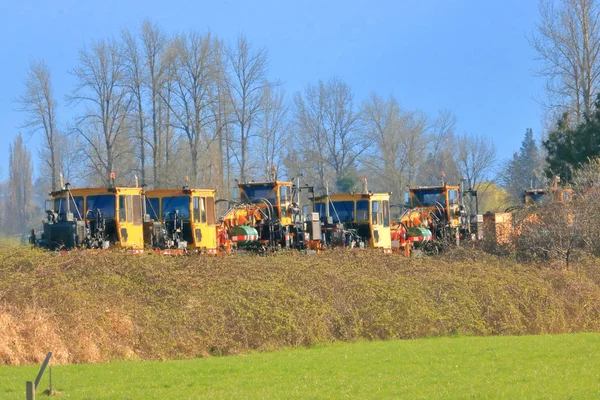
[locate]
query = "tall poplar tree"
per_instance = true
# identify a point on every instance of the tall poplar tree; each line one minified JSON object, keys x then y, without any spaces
{"x":20,"y":205}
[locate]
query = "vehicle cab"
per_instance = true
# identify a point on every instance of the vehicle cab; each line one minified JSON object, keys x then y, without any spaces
{"x":366,"y":214}
{"x":195,"y":208}
{"x":443,"y":200}
{"x":115,"y":212}
{"x":274,"y":198}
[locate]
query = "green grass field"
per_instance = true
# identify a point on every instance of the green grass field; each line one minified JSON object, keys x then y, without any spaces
{"x":515,"y":367}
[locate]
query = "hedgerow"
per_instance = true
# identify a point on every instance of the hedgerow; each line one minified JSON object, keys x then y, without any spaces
{"x":96,"y":307}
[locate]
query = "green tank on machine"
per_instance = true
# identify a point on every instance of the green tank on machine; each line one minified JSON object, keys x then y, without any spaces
{"x":418,"y":235}
{"x":243,"y":235}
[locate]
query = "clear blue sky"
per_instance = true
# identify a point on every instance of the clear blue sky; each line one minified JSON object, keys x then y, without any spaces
{"x":469,"y":56}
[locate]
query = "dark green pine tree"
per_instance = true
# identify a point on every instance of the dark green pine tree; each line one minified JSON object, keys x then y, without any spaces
{"x":569,"y":148}
{"x":524,"y":169}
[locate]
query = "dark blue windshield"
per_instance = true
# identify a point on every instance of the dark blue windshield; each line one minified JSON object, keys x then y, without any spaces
{"x":536,"y":197}
{"x":340,"y":211}
{"x":429,"y":197}
{"x":152,"y":208}
{"x":177,"y":203}
{"x":362,"y":210}
{"x":256,"y":193}
{"x":105,"y":203}
{"x":60,"y":206}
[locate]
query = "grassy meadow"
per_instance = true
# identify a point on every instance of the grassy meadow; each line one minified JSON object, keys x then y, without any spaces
{"x":506,"y":367}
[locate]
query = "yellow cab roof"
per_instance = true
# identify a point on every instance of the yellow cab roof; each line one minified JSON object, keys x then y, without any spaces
{"x":354,"y":197}
{"x":118,"y":190}
{"x":180,"y":192}
{"x":272,"y":183}
{"x":442,"y":188}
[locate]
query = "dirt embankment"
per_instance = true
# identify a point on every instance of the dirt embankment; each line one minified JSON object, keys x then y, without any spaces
{"x":111,"y":306}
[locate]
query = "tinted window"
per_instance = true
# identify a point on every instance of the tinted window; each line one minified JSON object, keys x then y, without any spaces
{"x":342,"y":211}
{"x":105,"y":203}
{"x":256,"y":194}
{"x":453,"y":197}
{"x":284,"y":194}
{"x":339,"y":211}
{"x":203,"y":209}
{"x":179,"y":203}
{"x":429,"y":197}
{"x":196,"y":207}
{"x":376,"y":212}
{"x":152,"y":208}
{"x":129,"y":209}
{"x":386,"y":213}
{"x":537,"y":197}
{"x":122,"y":210}
{"x":136,"y":202}
{"x":60,"y":206}
{"x":362,"y":210}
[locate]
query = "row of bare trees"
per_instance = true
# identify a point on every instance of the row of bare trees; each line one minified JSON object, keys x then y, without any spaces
{"x":165,"y":107}
{"x":567,"y":43}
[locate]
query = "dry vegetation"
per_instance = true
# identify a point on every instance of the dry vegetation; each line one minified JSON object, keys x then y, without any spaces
{"x":93,"y":307}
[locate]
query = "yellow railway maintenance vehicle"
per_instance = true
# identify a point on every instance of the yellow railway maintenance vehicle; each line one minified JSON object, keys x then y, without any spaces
{"x":355,"y":219}
{"x":182,"y":219}
{"x":432,"y":213}
{"x":94,"y":218}
{"x":539,"y":197}
{"x":265,"y":216}
{"x":553,"y":193}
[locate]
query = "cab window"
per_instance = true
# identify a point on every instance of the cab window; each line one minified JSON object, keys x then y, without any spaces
{"x":453,"y":197}
{"x":362,"y":210}
{"x":129,"y":208}
{"x":136,"y":206}
{"x":284,"y":194}
{"x":203,"y":209}
{"x":181,"y":204}
{"x":196,"y":206}
{"x":210,"y":211}
{"x":105,"y":203}
{"x":152,"y":208}
{"x":76,"y":206}
{"x":122,"y":209}
{"x":376,"y":213}
{"x":386,"y":214}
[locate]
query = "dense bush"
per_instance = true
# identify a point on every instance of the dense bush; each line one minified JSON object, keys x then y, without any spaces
{"x":92,"y":307}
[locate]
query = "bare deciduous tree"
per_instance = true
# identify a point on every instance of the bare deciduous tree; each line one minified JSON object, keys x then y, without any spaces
{"x":134,"y":72}
{"x":567,"y":41}
{"x":154,"y":44}
{"x":399,"y":141}
{"x":101,"y":88}
{"x":246,"y":86}
{"x":413,"y":143}
{"x":344,"y":139}
{"x":39,"y":104}
{"x":222,"y":111}
{"x":441,"y":151}
{"x":309,"y":115}
{"x":384,"y":120}
{"x":476,"y":158}
{"x":331,"y":129}
{"x":273,"y":128}
{"x":190,"y":102}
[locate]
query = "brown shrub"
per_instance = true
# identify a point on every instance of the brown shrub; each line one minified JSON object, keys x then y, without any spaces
{"x":95,"y":307}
